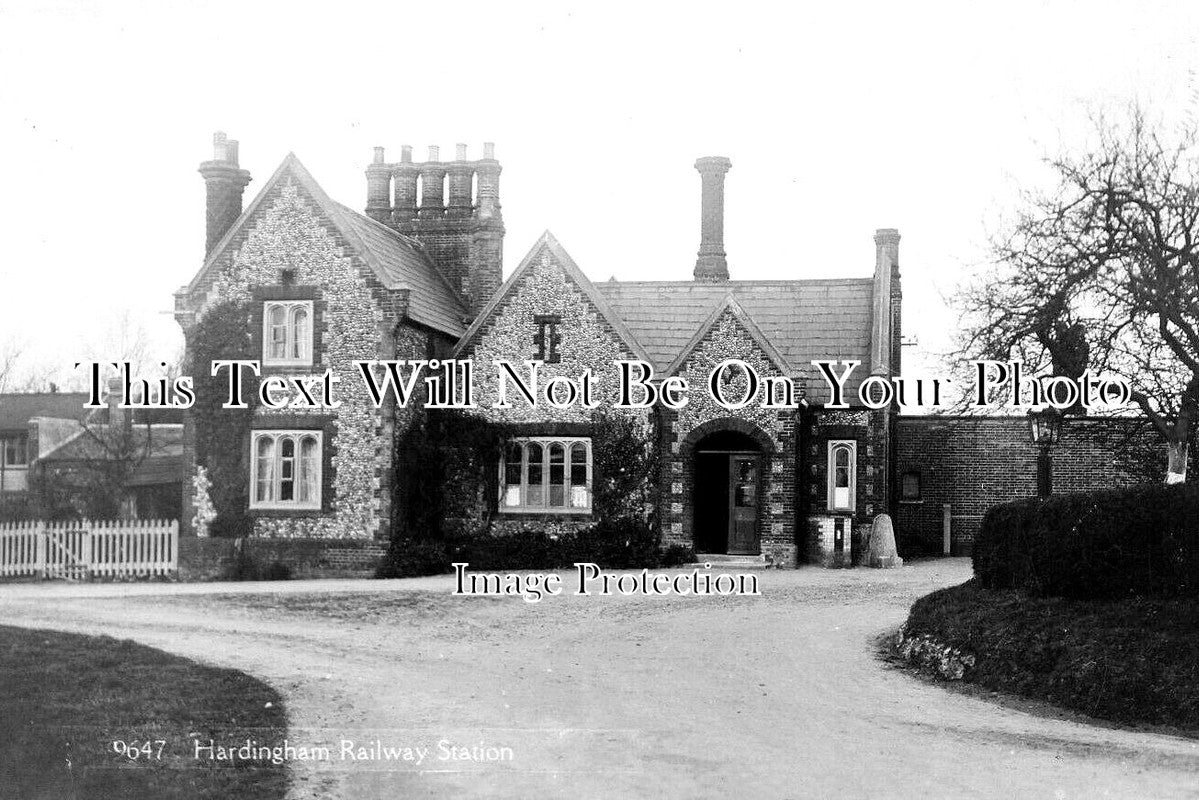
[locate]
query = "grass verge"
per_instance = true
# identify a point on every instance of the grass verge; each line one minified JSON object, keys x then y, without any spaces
{"x":1131,"y":661}
{"x":67,"y":698}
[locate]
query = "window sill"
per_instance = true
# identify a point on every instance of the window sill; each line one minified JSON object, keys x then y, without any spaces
{"x":291,"y":365}
{"x":911,"y":502}
{"x":546,"y":512}
{"x":274,"y":508}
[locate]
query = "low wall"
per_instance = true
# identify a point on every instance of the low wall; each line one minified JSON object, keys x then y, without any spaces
{"x":212,"y":559}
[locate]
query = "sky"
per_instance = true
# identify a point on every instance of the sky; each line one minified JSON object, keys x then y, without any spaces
{"x":838,"y":118}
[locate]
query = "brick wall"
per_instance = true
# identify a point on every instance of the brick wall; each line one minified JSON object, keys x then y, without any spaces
{"x":973,"y":463}
{"x":212,"y":559}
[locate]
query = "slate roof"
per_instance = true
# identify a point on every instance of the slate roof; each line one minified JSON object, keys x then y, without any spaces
{"x":803,"y":319}
{"x":17,"y":409}
{"x":159,"y":450}
{"x":401,"y":263}
{"x":398,"y":261}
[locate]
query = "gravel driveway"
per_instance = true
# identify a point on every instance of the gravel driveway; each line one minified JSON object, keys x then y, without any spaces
{"x":776,"y":696}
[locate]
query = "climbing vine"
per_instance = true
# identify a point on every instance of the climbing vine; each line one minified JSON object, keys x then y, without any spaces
{"x":221,"y":434}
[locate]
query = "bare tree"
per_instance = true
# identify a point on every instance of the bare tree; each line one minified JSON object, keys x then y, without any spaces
{"x":1103,"y":268}
{"x":10,"y":353}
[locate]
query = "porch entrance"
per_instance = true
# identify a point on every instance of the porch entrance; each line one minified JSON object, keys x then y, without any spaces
{"x":728,"y":467}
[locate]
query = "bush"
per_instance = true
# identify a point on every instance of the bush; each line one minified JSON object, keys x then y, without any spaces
{"x":676,"y":555}
{"x":276,"y":571}
{"x":407,"y":558}
{"x":624,"y":543}
{"x":1119,"y":543}
{"x":231,"y":526}
{"x":520,"y":550}
{"x":1129,"y":660}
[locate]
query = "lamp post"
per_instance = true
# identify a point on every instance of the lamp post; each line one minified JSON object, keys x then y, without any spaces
{"x":1045,"y":426}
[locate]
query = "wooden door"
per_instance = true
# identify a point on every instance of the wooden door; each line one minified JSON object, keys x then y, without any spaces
{"x":743,"y":505}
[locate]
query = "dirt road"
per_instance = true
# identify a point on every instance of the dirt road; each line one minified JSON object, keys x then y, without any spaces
{"x":779,"y":696}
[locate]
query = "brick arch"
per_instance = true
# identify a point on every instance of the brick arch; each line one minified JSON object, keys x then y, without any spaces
{"x":765,"y":443}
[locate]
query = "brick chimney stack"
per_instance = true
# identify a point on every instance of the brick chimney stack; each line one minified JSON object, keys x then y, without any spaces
{"x":462,"y":174}
{"x":378,"y":188}
{"x":462,"y":233}
{"x":711,"y":264}
{"x":405,"y":174}
{"x":225,"y":182}
{"x":432,"y":186}
{"x":884,"y":338}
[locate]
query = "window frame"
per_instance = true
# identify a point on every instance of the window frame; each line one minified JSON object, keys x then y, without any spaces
{"x":851,"y":446}
{"x":904,"y":497}
{"x":22,"y":442}
{"x":297,"y":435}
{"x":290,"y":338}
{"x":546,"y":444}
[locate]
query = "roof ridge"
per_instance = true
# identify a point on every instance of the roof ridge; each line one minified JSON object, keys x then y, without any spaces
{"x":547,"y":242}
{"x":717,"y":285}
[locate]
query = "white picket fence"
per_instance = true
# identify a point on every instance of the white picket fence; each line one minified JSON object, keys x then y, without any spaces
{"x":81,"y":548}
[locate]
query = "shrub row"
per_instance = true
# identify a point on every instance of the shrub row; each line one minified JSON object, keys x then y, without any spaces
{"x":1142,"y":541}
{"x":616,"y":544}
{"x":1128,"y":660}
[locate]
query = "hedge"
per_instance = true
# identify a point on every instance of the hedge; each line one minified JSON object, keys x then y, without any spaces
{"x":1112,"y":544}
{"x":612,"y":544}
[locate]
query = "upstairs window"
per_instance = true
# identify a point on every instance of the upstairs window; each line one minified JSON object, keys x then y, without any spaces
{"x":13,"y":450}
{"x":287,"y":332}
{"x":842,"y":475}
{"x":285,"y":469}
{"x":546,"y":474}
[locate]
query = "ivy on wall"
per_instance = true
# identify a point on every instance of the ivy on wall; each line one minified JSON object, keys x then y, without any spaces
{"x":624,"y":466}
{"x":444,"y":458}
{"x":221,"y":434}
{"x":449,"y":468}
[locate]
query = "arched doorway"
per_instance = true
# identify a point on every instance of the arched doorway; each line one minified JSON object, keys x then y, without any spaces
{"x":727,"y":493}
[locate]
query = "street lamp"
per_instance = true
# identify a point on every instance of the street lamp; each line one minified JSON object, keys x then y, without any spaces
{"x":1045,"y":426}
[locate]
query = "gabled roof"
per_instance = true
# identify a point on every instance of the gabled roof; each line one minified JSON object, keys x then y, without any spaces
{"x":803,"y":319}
{"x":18,"y":408}
{"x":548,"y":244}
{"x":157,"y":449}
{"x":398,"y":261}
{"x":402,"y":263}
{"x":729,"y":304}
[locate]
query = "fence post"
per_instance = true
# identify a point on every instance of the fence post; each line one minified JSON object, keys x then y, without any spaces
{"x":946,"y":530}
{"x":40,"y":539}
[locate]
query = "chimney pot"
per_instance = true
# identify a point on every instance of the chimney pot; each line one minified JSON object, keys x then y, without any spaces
{"x":461,"y":154}
{"x":406,"y":154}
{"x":489,"y":151}
{"x":118,"y":418}
{"x":886,"y":242}
{"x":711,"y":263}
{"x":379,"y":155}
{"x":434,"y":153}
